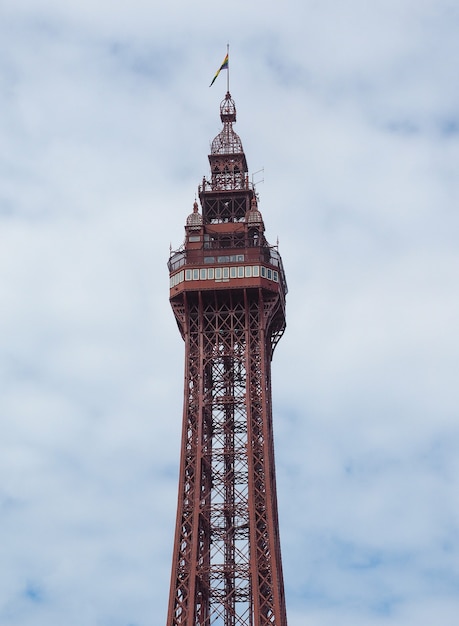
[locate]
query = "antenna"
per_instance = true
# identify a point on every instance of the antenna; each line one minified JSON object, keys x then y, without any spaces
{"x":262,"y":180}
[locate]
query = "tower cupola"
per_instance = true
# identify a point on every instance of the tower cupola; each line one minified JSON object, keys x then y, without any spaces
{"x":228,"y":164}
{"x":253,"y":216}
{"x":194,"y":220}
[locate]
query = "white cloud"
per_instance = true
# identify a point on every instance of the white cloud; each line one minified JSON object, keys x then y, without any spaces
{"x":105,"y":127}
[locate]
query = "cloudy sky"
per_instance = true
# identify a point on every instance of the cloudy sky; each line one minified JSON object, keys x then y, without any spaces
{"x":351,"y":108}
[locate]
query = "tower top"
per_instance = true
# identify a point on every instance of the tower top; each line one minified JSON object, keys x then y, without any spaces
{"x":228,"y":165}
{"x":228,"y":109}
{"x":227,"y":141}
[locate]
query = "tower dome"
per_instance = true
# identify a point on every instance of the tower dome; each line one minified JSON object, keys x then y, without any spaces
{"x":194,"y":220}
{"x":253,"y":216}
{"x":227,"y":141}
{"x":228,"y":164}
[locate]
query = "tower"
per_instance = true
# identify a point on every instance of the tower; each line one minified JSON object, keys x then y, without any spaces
{"x":227,"y":292}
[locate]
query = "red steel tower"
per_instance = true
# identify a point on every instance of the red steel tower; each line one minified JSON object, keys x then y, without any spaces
{"x":227,"y":291}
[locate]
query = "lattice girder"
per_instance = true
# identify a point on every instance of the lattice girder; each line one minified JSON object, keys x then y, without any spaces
{"x":226,"y":553}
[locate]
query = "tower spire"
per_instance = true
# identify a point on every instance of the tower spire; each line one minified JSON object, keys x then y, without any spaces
{"x":228,"y":164}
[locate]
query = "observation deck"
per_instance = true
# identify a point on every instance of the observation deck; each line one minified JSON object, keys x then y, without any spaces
{"x":229,"y":251}
{"x":237,"y":268}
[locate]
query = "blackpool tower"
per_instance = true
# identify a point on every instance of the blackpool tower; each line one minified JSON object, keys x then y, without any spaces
{"x":227,"y":292}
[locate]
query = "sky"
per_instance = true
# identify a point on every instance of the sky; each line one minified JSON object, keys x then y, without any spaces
{"x":348,"y":114}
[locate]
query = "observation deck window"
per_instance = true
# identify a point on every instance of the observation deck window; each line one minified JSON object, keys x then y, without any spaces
{"x":275,"y":257}
{"x":177,"y":279}
{"x":176,"y":261}
{"x":267,"y":256}
{"x":220,"y":274}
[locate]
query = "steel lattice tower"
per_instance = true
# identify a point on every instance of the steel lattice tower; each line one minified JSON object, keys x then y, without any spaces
{"x":227,"y":291}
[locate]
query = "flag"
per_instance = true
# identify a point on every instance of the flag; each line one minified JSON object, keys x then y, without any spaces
{"x":223,"y":66}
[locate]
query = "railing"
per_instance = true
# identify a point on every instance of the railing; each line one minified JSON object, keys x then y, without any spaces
{"x":226,"y":181}
{"x":266,"y":254}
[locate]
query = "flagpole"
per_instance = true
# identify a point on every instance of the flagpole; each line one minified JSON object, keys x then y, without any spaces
{"x":227,"y":71}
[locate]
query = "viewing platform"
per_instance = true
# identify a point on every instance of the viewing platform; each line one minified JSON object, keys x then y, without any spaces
{"x":253,"y":266}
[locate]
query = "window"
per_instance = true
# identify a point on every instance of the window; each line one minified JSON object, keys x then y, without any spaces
{"x":256,"y":271}
{"x":276,"y":276}
{"x":233,"y":271}
{"x":240,"y":272}
{"x":202,"y":274}
{"x":226,"y":273}
{"x":270,"y":274}
{"x":218,"y":273}
{"x":274,"y":257}
{"x":248,"y":271}
{"x":177,"y":261}
{"x":263,"y":271}
{"x":195,"y":274}
{"x":187,"y":274}
{"x":210,"y":273}
{"x":209,"y":259}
